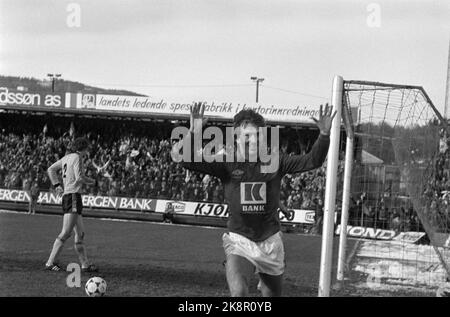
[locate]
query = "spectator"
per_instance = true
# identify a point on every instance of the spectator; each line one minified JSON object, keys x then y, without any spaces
{"x":318,"y":217}
{"x":34,"y":195}
{"x":168,"y":215}
{"x":395,"y":221}
{"x":382,"y":217}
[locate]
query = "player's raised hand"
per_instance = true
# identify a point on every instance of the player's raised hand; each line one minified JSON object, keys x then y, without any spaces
{"x":325,"y":119}
{"x":197,"y":117}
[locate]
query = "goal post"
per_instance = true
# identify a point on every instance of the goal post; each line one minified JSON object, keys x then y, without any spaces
{"x":330,"y":190}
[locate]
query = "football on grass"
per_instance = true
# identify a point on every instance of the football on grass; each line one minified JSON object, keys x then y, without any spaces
{"x":95,"y":287}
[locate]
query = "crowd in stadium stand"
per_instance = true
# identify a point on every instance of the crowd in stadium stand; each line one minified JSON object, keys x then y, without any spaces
{"x":128,"y":159}
{"x":399,"y":216}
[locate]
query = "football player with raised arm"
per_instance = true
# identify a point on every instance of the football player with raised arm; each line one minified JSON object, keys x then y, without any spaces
{"x":72,"y":173}
{"x":253,"y":243}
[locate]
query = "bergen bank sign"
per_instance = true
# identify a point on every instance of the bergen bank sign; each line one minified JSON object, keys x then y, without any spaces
{"x":15,"y":97}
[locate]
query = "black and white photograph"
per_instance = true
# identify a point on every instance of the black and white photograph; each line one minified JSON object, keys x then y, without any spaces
{"x":216,"y":150}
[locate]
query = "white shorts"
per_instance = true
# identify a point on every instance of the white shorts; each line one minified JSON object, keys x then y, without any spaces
{"x":267,"y":256}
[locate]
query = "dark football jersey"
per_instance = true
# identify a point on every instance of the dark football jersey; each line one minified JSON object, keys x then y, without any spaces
{"x":252,"y":196}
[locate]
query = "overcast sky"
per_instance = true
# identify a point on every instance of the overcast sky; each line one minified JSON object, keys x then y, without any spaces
{"x":209,"y":49}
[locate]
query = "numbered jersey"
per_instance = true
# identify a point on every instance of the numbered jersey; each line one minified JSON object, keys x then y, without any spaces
{"x":71,"y":170}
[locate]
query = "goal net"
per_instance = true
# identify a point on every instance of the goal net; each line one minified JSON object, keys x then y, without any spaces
{"x":397,"y":211}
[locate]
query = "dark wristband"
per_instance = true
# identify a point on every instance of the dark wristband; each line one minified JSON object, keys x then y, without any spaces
{"x":56,"y":185}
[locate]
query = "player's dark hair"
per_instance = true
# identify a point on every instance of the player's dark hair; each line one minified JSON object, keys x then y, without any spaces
{"x":248,"y":116}
{"x":80,"y":144}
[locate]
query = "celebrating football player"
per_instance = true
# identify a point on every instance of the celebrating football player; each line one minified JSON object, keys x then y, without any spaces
{"x":254,"y":241}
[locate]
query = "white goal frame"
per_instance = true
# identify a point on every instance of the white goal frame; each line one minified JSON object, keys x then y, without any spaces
{"x":330,"y":187}
{"x":343,"y":117}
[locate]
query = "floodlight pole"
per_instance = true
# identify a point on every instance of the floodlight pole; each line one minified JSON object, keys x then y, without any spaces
{"x":257,"y":80}
{"x":330,"y":191}
{"x":53,"y":78}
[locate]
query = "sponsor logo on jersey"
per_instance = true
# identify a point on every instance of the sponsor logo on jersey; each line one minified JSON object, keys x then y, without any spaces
{"x":253,"y":196}
{"x":237,"y":173}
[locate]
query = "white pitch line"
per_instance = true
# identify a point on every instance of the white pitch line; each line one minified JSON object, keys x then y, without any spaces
{"x":151,"y":222}
{"x":112,"y":219}
{"x":158,"y":223}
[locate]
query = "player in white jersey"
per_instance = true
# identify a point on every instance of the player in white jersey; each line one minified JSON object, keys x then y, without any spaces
{"x":73,"y":178}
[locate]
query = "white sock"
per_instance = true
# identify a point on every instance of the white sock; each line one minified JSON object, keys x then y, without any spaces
{"x":57,"y":247}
